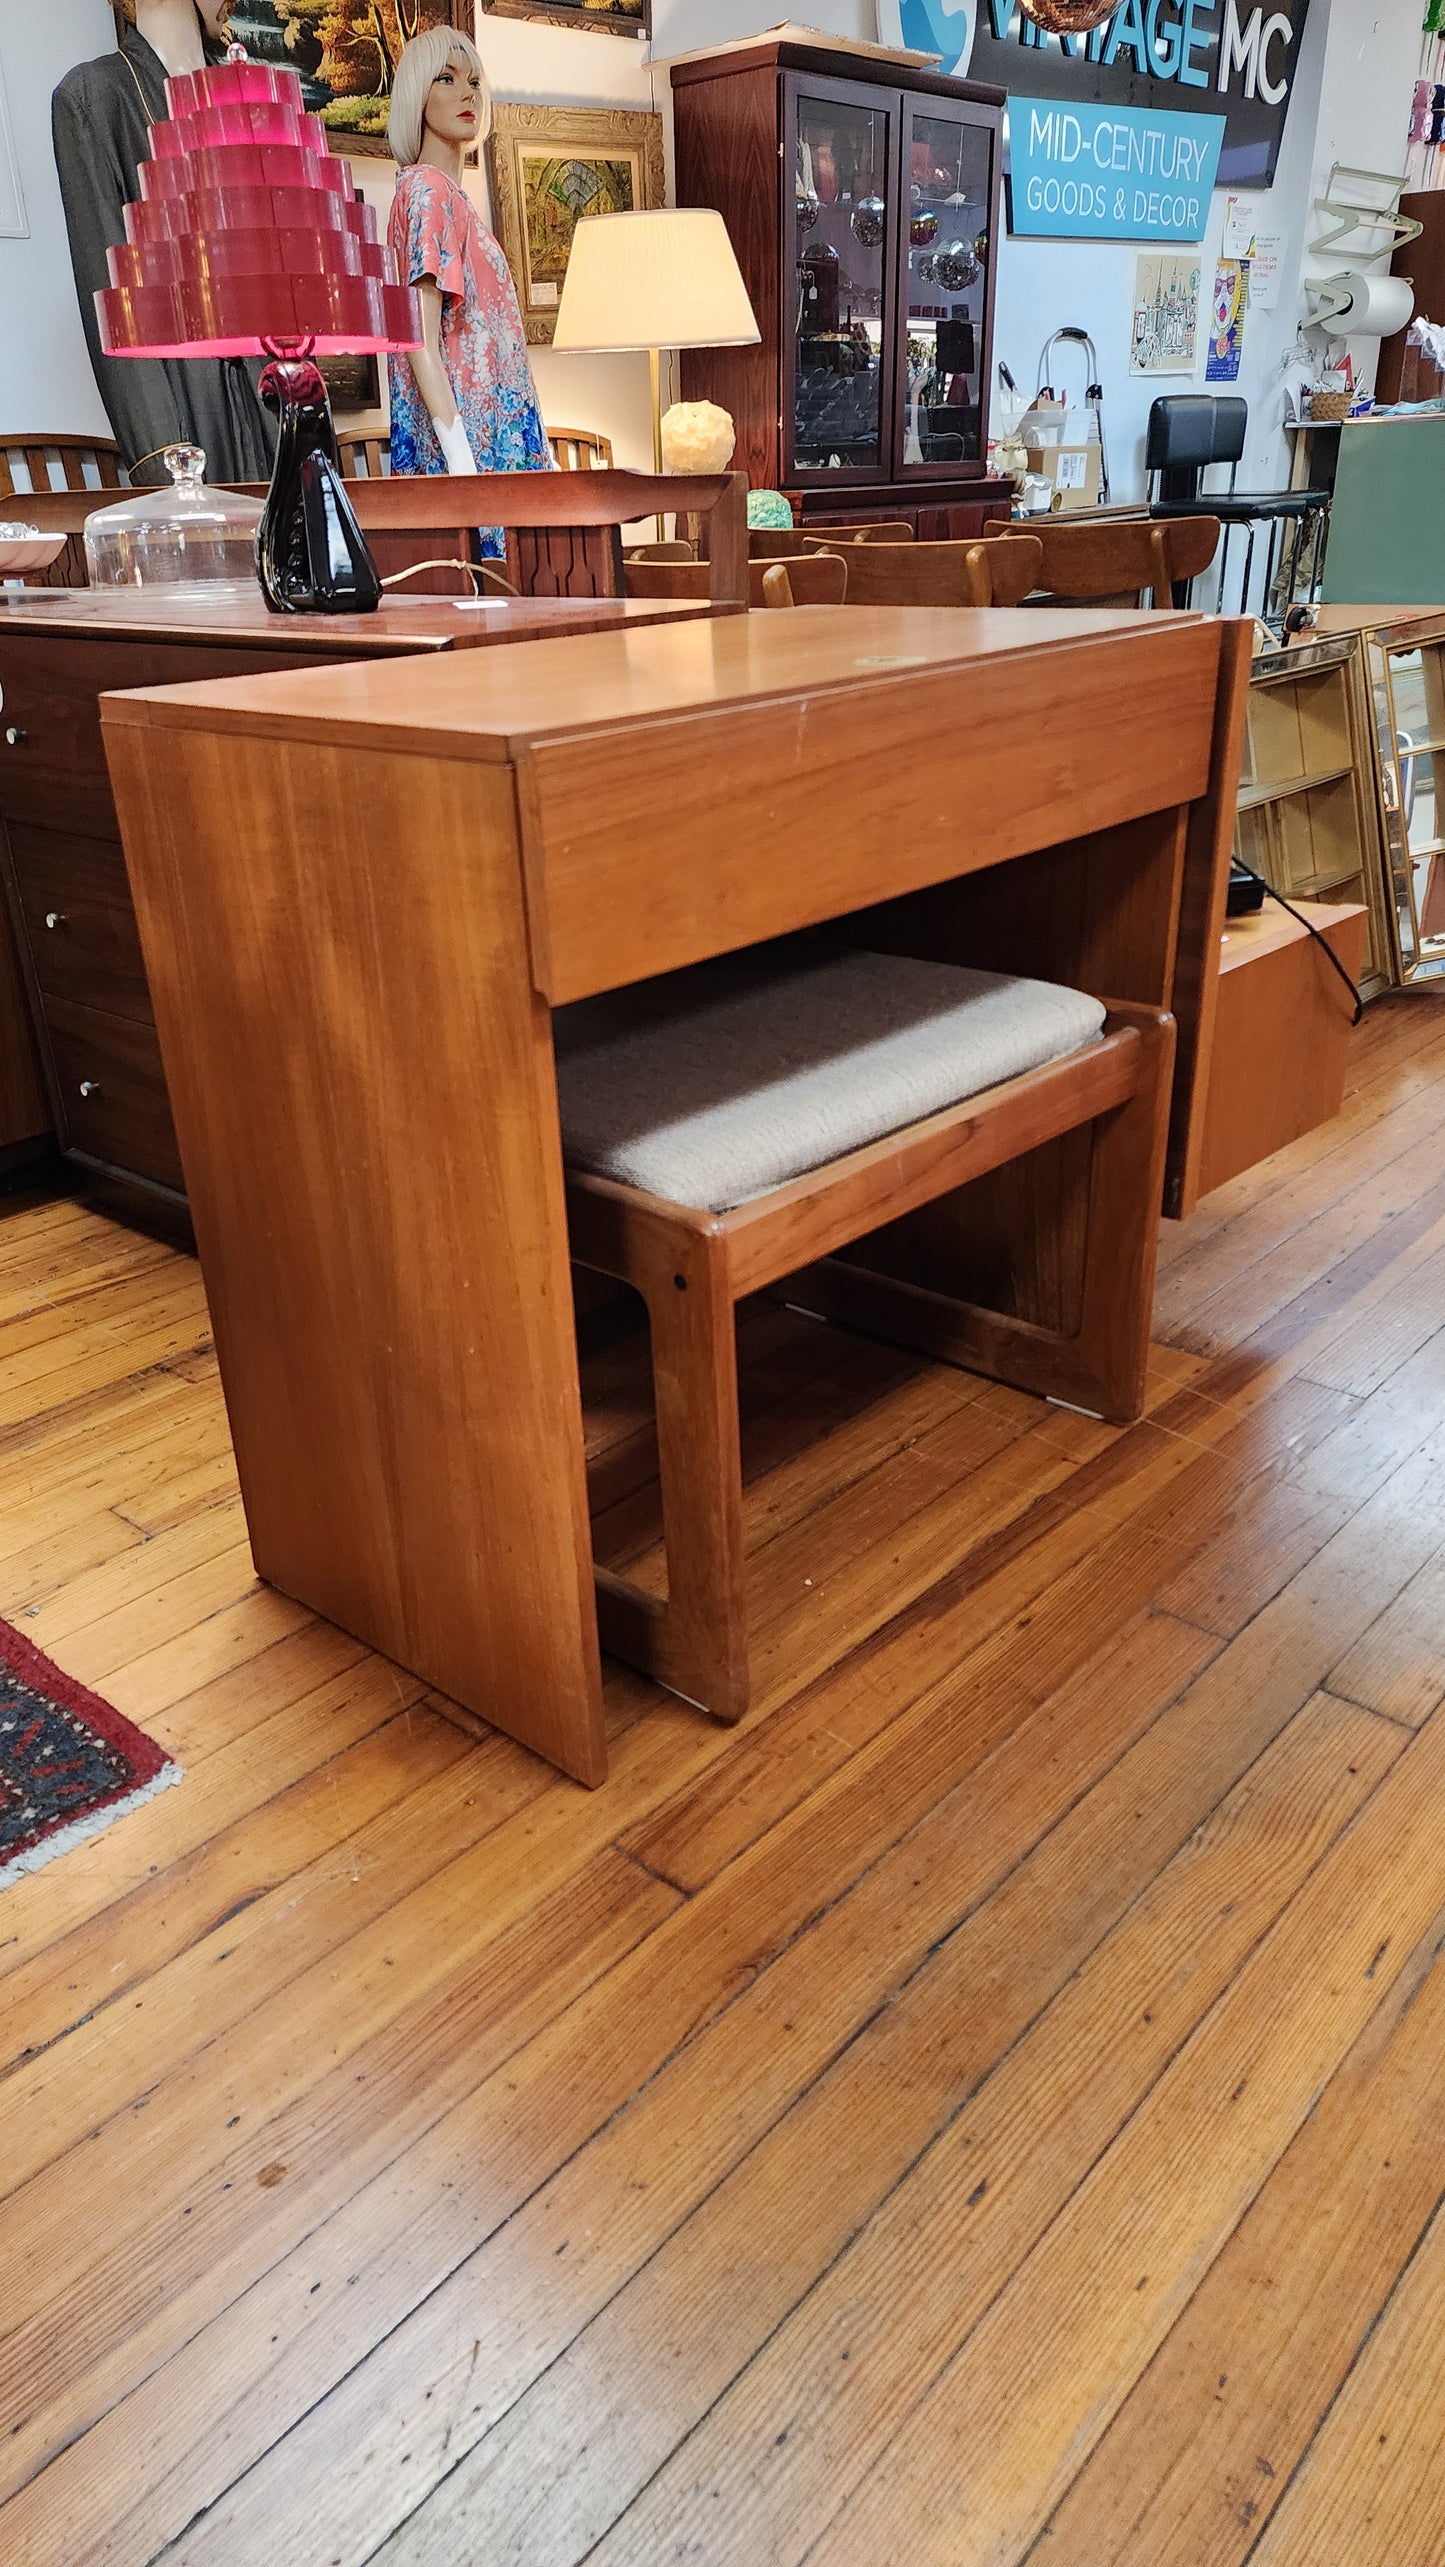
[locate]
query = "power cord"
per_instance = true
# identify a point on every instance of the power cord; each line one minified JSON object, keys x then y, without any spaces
{"x":1326,"y":948}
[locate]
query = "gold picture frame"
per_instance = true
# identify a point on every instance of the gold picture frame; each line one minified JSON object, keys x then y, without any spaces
{"x":550,"y":167}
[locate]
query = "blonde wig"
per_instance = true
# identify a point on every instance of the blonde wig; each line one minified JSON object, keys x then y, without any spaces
{"x":422,"y":61}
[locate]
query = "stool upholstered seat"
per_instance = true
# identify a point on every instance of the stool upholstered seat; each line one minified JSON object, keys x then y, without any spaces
{"x":722,"y":1083}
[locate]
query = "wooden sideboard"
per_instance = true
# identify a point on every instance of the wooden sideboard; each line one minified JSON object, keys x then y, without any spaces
{"x":89,"y":1029}
{"x":361,"y":893}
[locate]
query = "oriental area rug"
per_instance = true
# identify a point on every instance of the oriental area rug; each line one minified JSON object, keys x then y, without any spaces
{"x":68,"y":1763}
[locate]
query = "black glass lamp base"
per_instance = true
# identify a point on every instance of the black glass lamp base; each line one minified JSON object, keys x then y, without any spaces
{"x":311,"y":555}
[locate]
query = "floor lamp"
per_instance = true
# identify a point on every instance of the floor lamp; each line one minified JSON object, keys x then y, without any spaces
{"x":663,"y":280}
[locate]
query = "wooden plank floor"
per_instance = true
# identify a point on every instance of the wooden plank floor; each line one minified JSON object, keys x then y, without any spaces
{"x":990,"y":2107}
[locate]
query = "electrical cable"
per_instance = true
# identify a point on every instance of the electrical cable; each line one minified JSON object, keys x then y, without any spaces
{"x":1326,"y":948}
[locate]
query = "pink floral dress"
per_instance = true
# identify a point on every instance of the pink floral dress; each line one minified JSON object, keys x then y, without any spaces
{"x":437,"y":232}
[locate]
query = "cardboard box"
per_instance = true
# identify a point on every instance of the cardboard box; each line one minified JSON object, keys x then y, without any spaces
{"x":1073,"y":472}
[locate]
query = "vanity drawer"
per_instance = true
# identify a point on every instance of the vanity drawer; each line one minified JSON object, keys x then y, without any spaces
{"x":76,"y":904}
{"x":112,"y":1091}
{"x":52,"y":766}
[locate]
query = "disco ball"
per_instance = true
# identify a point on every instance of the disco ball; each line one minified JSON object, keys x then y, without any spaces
{"x":1068,"y":17}
{"x":870,"y":222}
{"x":957,"y":266}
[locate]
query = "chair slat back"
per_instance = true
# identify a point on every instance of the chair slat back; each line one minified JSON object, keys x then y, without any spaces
{"x":1118,"y":562}
{"x":364,"y":458}
{"x":64,"y":461}
{"x":580,"y":449}
{"x":936,"y":575}
{"x":818,"y":579}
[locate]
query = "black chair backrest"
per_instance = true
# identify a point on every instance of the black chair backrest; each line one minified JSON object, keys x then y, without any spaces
{"x":1189,"y":431}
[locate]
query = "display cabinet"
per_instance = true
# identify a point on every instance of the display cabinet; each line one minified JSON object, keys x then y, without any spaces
{"x":862,"y":200}
{"x":1307,"y":821}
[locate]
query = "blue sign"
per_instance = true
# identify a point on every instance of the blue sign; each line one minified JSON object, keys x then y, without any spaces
{"x":1110,"y":173}
{"x":944,"y":27}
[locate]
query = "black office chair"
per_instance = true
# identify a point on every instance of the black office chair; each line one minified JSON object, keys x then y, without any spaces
{"x":1189,"y":431}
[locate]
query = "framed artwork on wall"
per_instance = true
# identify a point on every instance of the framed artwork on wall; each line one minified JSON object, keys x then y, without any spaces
{"x":345,"y":52}
{"x":606,"y":17}
{"x":550,"y":167}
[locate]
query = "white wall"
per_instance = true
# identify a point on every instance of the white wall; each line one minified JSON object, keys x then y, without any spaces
{"x":45,"y":377}
{"x":1350,"y":102}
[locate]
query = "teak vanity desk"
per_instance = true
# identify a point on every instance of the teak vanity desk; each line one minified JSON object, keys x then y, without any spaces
{"x":361,"y":891}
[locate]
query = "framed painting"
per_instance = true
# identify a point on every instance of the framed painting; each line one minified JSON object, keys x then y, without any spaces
{"x":346,"y":53}
{"x":550,"y":167}
{"x":607,"y":17}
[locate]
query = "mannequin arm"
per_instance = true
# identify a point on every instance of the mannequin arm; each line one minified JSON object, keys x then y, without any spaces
{"x":426,"y":361}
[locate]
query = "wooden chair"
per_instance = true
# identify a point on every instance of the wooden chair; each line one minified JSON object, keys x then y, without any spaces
{"x":364,"y":458}
{"x":581,"y":449}
{"x":1118,"y":562}
{"x":977,"y":574}
{"x":819,"y":581}
{"x":575,"y":449}
{"x":31,"y":463}
{"x":776,"y":543}
{"x":674,"y":548}
{"x":688,"y":1141}
{"x":564,"y":528}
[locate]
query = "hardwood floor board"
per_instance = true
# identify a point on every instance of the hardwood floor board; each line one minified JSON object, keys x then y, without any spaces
{"x":1397,"y":1667}
{"x":102,"y":1959}
{"x":307,"y":1728}
{"x":103,"y":2495}
{"x":1062,"y":1701}
{"x":844,"y":2374}
{"x":1025,"y":1608}
{"x":73,"y":1266}
{"x":182,"y":2006}
{"x":1373,"y":2484}
{"x":69,"y":1364}
{"x":612,"y":2203}
{"x":230,"y":1635}
{"x":1201,"y":2452}
{"x":992,"y":2442}
{"x":204,"y":1483}
{"x":1318,"y":1273}
{"x":1254,"y":1216}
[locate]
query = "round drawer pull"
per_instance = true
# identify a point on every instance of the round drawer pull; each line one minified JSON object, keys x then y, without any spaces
{"x":15,"y":738}
{"x":90,"y":1087}
{"x":55,"y":918}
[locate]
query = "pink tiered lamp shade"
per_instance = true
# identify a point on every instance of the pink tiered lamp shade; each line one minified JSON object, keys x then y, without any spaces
{"x":247,"y":238}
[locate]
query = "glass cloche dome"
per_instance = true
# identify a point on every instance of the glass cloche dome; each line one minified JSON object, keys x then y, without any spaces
{"x":186,"y":537}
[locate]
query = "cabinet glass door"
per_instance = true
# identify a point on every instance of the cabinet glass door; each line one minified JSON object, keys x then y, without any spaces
{"x":838,"y":387}
{"x":948,"y":194}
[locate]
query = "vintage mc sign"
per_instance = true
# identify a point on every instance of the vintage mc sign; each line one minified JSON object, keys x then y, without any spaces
{"x":1235,"y":58}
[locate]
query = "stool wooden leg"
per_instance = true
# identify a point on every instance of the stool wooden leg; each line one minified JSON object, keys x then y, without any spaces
{"x":1126,"y":1185}
{"x":695,"y":1375}
{"x":695,"y":1643}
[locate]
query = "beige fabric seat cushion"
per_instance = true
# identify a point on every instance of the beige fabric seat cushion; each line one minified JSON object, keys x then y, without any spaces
{"x":718,"y":1084}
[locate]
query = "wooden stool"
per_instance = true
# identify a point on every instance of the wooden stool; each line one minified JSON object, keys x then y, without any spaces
{"x":732,"y":1125}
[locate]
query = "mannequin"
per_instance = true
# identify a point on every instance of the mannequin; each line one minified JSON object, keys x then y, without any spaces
{"x":465,"y":401}
{"x":101,"y":117}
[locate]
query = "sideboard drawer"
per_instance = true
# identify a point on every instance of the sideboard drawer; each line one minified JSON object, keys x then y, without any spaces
{"x":112,"y":1091}
{"x":76,"y":903}
{"x":52,"y":766}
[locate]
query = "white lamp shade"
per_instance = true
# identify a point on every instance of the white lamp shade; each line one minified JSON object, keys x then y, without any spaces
{"x":663,"y":280}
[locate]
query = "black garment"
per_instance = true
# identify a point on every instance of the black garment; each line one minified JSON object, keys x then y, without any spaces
{"x":100,"y":119}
